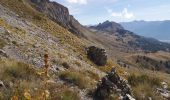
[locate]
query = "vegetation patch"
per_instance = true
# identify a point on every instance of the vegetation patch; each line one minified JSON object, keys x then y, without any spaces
{"x":76,"y":78}
{"x":144,"y":86}
{"x":62,"y":92}
{"x":142,"y":79}
{"x":17,"y":78}
{"x":92,"y":75}
{"x":2,"y":43}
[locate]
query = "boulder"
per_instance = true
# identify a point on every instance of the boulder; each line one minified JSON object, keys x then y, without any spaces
{"x":97,"y":55}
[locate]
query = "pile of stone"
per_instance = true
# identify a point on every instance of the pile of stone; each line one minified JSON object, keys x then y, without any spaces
{"x":111,"y":83}
{"x":97,"y":55}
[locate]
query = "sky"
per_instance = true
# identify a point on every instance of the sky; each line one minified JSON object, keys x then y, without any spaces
{"x":90,"y":12}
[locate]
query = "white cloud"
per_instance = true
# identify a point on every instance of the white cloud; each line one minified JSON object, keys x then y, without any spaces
{"x":73,"y":10}
{"x":123,"y":14}
{"x":77,"y":1}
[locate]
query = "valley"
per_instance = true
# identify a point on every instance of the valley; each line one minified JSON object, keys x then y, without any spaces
{"x":45,"y":55}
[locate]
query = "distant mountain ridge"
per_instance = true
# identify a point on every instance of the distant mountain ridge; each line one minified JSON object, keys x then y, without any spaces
{"x":155,"y":29}
{"x":130,"y":39}
{"x":108,"y":26}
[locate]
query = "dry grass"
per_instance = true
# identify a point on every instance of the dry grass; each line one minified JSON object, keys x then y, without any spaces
{"x":92,"y":75}
{"x":144,"y":91}
{"x":110,"y":65}
{"x":24,"y":10}
{"x":143,"y":79}
{"x":76,"y":78}
{"x":17,"y":77}
{"x":62,"y":92}
{"x":144,"y":86}
{"x":2,"y":43}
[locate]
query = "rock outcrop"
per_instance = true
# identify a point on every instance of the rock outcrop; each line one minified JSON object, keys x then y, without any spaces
{"x":58,"y":13}
{"x":97,"y":55}
{"x":112,"y":82}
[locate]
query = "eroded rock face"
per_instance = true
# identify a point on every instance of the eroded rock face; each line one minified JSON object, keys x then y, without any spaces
{"x":58,"y":13}
{"x":97,"y":55}
{"x":113,"y":83}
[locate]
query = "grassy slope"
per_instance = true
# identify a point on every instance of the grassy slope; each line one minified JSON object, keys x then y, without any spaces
{"x":25,"y":11}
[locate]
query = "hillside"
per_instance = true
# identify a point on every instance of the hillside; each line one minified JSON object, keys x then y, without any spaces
{"x":46,"y":54}
{"x":155,"y":29}
{"x":130,"y":39}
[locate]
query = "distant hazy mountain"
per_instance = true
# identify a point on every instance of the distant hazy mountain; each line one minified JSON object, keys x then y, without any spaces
{"x":156,"y":29}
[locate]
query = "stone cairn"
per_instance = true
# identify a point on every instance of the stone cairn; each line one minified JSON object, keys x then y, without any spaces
{"x":113,"y":83}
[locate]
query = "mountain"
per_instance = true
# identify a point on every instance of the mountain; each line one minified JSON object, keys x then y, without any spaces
{"x":57,"y":13}
{"x":45,"y":53}
{"x":108,"y":26}
{"x":130,"y":39}
{"x":155,"y":29}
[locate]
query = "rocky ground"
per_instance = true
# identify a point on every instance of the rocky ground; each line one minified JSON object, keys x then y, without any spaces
{"x":28,"y":43}
{"x":23,"y":42}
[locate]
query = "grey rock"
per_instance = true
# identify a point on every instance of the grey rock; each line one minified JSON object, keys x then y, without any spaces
{"x":3,"y":53}
{"x":163,"y":92}
{"x":97,"y":55}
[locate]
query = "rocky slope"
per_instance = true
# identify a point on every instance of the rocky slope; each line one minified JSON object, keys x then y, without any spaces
{"x":23,"y":40}
{"x":57,"y":13}
{"x":33,"y":29}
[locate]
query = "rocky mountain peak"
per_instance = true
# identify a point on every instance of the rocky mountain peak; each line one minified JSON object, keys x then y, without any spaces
{"x":108,"y":26}
{"x":58,"y":13}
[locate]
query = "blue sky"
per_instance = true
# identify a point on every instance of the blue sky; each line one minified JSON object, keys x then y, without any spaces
{"x":89,"y":12}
